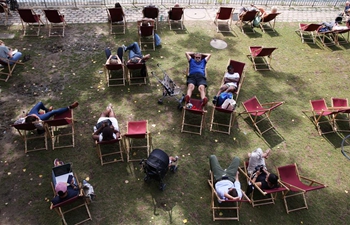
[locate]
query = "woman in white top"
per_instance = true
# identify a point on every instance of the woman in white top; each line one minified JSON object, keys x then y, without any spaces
{"x":107,"y":127}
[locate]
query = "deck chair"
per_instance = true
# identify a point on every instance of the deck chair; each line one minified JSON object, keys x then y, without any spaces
{"x":55,"y":20}
{"x":28,"y":133}
{"x":342,"y":115}
{"x":176,"y":15}
{"x":146,"y":35}
{"x":9,"y":67}
{"x":247,"y":20}
{"x":327,"y":38}
{"x":290,"y":177}
{"x":238,"y":67}
{"x":321,"y":114}
{"x":29,"y":19}
{"x":190,"y":124}
{"x":61,"y":130}
{"x":137,"y":137}
{"x":113,"y":70}
{"x":61,"y":174}
{"x":116,"y":19}
{"x":224,"y":14}
{"x":258,"y":113}
{"x":340,"y":38}
{"x":308,"y":32}
{"x":137,"y":73}
{"x":151,"y":12}
{"x":232,"y":207}
{"x":267,"y":196}
{"x":261,"y":57}
{"x":267,"y":23}
{"x":110,"y":151}
{"x":4,"y":10}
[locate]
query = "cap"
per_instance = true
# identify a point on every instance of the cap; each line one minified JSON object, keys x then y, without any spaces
{"x":61,"y":186}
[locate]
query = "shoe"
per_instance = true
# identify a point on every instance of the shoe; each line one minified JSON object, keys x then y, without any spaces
{"x":215,"y":100}
{"x":187,"y":99}
{"x":124,"y":47}
{"x":50,"y":108}
{"x":74,"y":105}
{"x":204,"y":101}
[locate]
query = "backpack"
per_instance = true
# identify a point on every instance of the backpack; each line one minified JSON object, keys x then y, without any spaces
{"x":256,"y":21}
{"x":229,"y":104}
{"x":222,"y":97}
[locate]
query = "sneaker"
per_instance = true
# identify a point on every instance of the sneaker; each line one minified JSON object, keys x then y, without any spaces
{"x":124,"y":47}
{"x":204,"y":101}
{"x":215,"y":100}
{"x":187,"y":99}
{"x":74,"y":105}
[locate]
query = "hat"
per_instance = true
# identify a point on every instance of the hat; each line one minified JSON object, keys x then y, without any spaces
{"x":61,"y":186}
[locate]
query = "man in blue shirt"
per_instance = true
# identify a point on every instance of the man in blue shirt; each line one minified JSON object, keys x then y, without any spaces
{"x":197,"y":76}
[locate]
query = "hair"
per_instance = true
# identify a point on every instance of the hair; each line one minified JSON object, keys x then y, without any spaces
{"x":274,"y":9}
{"x":1,"y":42}
{"x":197,"y":53}
{"x":117,"y":5}
{"x":30,"y":119}
{"x":229,"y":67}
{"x":107,"y":134}
{"x":60,"y":193}
{"x":233,"y":192}
{"x":273,"y":178}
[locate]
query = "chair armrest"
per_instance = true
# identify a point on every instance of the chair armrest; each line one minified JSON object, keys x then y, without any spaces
{"x":312,"y":181}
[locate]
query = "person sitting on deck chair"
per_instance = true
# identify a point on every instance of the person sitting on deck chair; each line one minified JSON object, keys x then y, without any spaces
{"x":107,"y":127}
{"x":230,"y":82}
{"x":197,"y":76}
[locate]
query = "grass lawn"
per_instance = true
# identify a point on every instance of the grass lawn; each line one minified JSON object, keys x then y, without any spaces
{"x":62,"y":70}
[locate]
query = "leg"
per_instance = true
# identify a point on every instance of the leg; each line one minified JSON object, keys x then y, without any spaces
{"x":255,"y":158}
{"x":47,"y":115}
{"x":232,"y":169}
{"x":201,"y":90}
{"x":134,"y":50}
{"x":190,"y":88}
{"x":37,"y":108}
{"x":215,"y":167}
{"x":15,"y":58}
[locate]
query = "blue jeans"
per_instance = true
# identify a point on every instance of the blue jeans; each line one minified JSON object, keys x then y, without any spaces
{"x":134,"y":50}
{"x":15,"y":57}
{"x":40,"y":106}
{"x":218,"y":172}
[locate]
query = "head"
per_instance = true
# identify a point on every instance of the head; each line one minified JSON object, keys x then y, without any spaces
{"x":198,"y":57}
{"x":272,"y":179}
{"x":230,"y":69}
{"x":177,"y":5}
{"x":30,"y":119}
{"x":117,"y":5}
{"x":273,"y":9}
{"x":61,"y":188}
{"x":233,"y":192}
{"x":107,"y":134}
{"x":1,"y":42}
{"x":347,"y":3}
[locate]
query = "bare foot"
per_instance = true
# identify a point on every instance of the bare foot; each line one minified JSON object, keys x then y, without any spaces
{"x":267,"y":153}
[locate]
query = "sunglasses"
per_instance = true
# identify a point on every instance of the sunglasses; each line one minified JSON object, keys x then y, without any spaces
{"x":197,"y":57}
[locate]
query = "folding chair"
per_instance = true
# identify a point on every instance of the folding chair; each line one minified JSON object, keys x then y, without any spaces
{"x":258,"y":113}
{"x":339,"y":36}
{"x":238,"y":67}
{"x":137,"y":130}
{"x":9,"y":67}
{"x":116,"y":19}
{"x":146,"y":35}
{"x":343,"y":114}
{"x":62,"y":125}
{"x":28,"y":19}
{"x":4,"y":10}
{"x":308,"y":32}
{"x":55,"y":20}
{"x":28,"y":132}
{"x":177,"y":15}
{"x":290,"y":177}
{"x":232,"y":207}
{"x":224,"y":14}
{"x":268,"y":22}
{"x":247,"y":19}
{"x":267,"y":196}
{"x":151,"y":12}
{"x":112,"y":70}
{"x":321,"y":114}
{"x":108,"y":149}
{"x":61,"y":174}
{"x":261,"y":57}
{"x":327,"y":38}
{"x":190,"y":124}
{"x":137,"y":73}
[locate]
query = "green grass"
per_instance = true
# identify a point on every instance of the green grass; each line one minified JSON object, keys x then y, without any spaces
{"x":301,"y":72}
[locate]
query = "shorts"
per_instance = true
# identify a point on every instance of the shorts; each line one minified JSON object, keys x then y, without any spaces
{"x":197,"y":79}
{"x":231,"y":84}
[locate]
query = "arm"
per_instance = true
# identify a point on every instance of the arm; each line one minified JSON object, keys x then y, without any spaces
{"x":109,"y":59}
{"x":230,"y":197}
{"x":188,"y":55}
{"x":34,"y":116}
{"x":208,"y":57}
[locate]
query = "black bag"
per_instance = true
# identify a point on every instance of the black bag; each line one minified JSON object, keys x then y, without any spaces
{"x":107,"y":121}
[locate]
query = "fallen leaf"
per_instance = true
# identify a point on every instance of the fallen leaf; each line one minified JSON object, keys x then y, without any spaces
{"x":126,"y":181}
{"x":40,"y":176}
{"x":184,"y":221}
{"x":87,"y":178}
{"x":24,"y":170}
{"x":220,"y":214}
{"x":9,"y":173}
{"x":346,"y":191}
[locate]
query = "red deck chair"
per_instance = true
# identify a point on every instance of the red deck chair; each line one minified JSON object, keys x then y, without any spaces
{"x":321,"y":114}
{"x":28,"y":19}
{"x":110,"y":151}
{"x":308,"y":32}
{"x":340,"y":38}
{"x":151,"y":12}
{"x":343,"y":115}
{"x":267,"y":23}
{"x":189,"y":123}
{"x":4,"y":10}
{"x":9,"y":67}
{"x":290,"y":177}
{"x":146,"y":35}
{"x":224,"y":14}
{"x":55,"y":20}
{"x":116,"y":18}
{"x":137,"y":130}
{"x":258,"y":113}
{"x":269,"y":196}
{"x":232,"y":207}
{"x":113,"y":69}
{"x":247,"y":19}
{"x":327,"y":38}
{"x":135,"y":77}
{"x":177,"y":15}
{"x":261,"y":57}
{"x":62,"y":125}
{"x":28,"y":133}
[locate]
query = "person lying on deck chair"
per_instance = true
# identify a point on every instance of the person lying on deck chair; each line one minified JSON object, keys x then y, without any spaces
{"x":135,"y":54}
{"x":197,"y":76}
{"x":230,"y":82}
{"x":226,"y":181}
{"x":107,"y":127}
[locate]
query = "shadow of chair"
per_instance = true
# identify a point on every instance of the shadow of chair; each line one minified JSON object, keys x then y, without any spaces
{"x":290,"y":177}
{"x":4,"y":10}
{"x":55,"y":20}
{"x":29,"y":19}
{"x":268,"y":22}
{"x":151,"y":12}
{"x":191,"y":125}
{"x":176,"y":15}
{"x":224,"y":14}
{"x":28,"y":133}
{"x":116,"y":18}
{"x":308,"y":32}
{"x":261,"y":57}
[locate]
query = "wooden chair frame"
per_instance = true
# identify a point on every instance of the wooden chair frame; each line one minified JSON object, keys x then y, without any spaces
{"x":116,"y":18}
{"x":118,"y":151}
{"x":151,"y":12}
{"x":198,"y":110}
{"x":55,"y":20}
{"x":5,"y":75}
{"x":134,"y":79}
{"x":26,"y":130}
{"x":269,"y":22}
{"x":109,"y":69}
{"x":343,"y":108}
{"x":180,"y":16}
{"x":227,"y":19}
{"x":146,"y":35}
{"x":308,"y":29}
{"x":5,"y":11}
{"x":247,"y":19}
{"x":30,"y":21}
{"x":262,"y":53}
